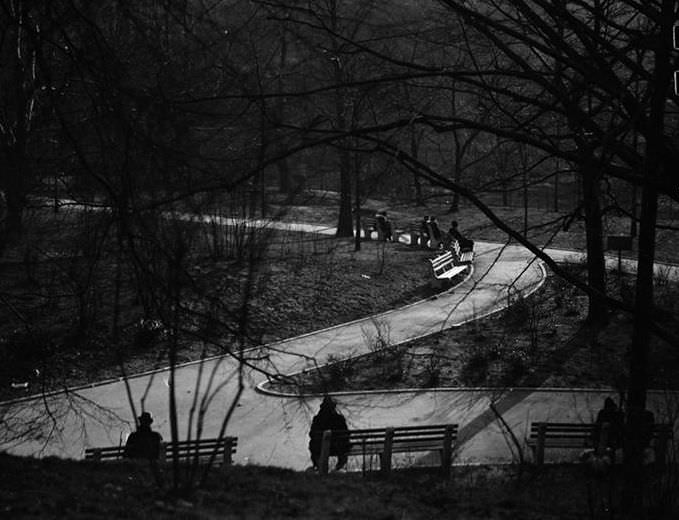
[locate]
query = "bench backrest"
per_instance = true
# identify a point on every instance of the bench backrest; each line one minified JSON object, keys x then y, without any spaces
{"x":186,"y":450}
{"x":584,"y":430}
{"x":386,"y":441}
{"x":442,"y":263}
{"x":405,"y":438}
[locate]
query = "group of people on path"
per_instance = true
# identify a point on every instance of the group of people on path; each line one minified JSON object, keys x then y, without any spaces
{"x":430,"y":234}
{"x":432,"y":237}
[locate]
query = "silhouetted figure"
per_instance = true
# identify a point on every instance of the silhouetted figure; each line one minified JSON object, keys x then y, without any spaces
{"x":328,"y":418}
{"x":143,"y":443}
{"x":424,"y":231}
{"x":611,"y":415}
{"x":434,"y":234}
{"x":384,"y":225}
{"x":454,"y":234}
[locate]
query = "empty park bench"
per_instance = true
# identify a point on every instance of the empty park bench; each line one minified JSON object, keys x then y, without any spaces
{"x":445,"y":266}
{"x":384,"y":442}
{"x":579,"y":436}
{"x":463,"y":256}
{"x":202,"y":449}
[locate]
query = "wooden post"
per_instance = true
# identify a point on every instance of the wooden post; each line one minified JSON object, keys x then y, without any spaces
{"x":96,"y":454}
{"x":228,"y":447}
{"x":540,"y":448}
{"x":385,"y":462}
{"x":325,"y":452}
{"x":447,"y":453}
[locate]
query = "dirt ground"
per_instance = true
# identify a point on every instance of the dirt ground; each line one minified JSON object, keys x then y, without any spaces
{"x":305,"y":283}
{"x":52,"y":488}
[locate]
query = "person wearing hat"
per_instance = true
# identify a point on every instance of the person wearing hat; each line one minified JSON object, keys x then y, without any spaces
{"x":328,"y":418}
{"x":143,"y":443}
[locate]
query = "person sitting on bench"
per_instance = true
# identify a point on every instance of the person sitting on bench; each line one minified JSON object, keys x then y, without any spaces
{"x":454,"y":234}
{"x":143,"y":443}
{"x":614,"y":418}
{"x":328,"y":418}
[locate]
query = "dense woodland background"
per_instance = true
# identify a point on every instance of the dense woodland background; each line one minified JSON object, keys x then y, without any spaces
{"x":123,"y":124}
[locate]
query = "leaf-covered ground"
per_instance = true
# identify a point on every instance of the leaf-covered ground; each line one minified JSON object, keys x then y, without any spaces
{"x":52,"y":488}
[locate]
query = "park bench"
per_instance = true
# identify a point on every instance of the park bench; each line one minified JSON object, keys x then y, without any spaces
{"x":412,"y":230}
{"x":579,"y":436}
{"x":203,"y":449}
{"x":384,"y":442}
{"x":462,"y":256}
{"x":368,"y":223}
{"x":445,"y":266}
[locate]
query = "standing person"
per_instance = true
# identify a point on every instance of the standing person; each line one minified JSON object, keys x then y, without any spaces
{"x":435,"y":234}
{"x":328,"y":418}
{"x":143,"y":443}
{"x":384,"y":225}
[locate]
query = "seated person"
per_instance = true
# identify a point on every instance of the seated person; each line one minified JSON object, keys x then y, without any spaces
{"x":143,"y":443}
{"x":328,"y":418}
{"x":613,"y":417}
{"x":454,"y":234}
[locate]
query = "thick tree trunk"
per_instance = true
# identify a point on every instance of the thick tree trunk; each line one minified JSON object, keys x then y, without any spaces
{"x":635,"y":479}
{"x":638,"y":377}
{"x":597,"y":314}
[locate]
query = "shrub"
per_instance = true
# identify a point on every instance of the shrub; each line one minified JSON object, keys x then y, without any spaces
{"x":475,"y":368}
{"x":147,"y":333}
{"x":335,"y":374}
{"x":25,"y":353}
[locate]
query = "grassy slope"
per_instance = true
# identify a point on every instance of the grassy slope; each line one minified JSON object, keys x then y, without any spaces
{"x":53,"y":488}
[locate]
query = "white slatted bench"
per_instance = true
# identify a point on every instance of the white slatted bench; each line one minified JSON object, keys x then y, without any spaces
{"x":445,"y":266}
{"x":462,"y":257}
{"x":579,"y":436}
{"x":203,"y":449}
{"x":384,"y":442}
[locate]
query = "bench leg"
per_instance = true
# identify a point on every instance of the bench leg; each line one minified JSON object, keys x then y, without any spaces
{"x":228,"y":446}
{"x":385,"y":458}
{"x":447,"y":453}
{"x":540,"y":446}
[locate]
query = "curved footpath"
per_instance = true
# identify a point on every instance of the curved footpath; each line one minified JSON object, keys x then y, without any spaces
{"x":272,"y":429}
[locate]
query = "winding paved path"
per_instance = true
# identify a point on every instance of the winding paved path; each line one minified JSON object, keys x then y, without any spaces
{"x":272,"y":430}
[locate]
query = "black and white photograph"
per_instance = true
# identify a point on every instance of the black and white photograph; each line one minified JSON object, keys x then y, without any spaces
{"x":339,"y":259}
